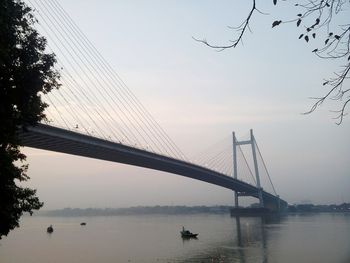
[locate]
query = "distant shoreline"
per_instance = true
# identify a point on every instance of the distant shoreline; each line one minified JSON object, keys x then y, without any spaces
{"x":138,"y":210}
{"x":183,"y":210}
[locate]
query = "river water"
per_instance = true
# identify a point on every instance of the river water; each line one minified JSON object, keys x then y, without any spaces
{"x":321,"y":238}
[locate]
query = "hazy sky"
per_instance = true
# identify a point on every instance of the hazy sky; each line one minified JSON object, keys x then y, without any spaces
{"x":200,"y":96}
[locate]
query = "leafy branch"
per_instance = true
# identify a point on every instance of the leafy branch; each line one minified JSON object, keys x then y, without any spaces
{"x":317,"y":18}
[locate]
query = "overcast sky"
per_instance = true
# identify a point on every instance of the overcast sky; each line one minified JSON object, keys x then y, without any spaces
{"x":200,"y":96}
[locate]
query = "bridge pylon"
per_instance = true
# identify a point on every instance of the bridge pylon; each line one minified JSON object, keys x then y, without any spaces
{"x":251,"y":142}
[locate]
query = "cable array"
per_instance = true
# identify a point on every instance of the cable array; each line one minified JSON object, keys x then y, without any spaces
{"x":265,"y":171}
{"x":216,"y":157}
{"x":244,"y":167}
{"x":93,"y":99}
{"x":219,"y":157}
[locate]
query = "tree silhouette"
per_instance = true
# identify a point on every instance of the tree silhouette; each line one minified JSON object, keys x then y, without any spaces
{"x":316,"y":20}
{"x":26,"y":72}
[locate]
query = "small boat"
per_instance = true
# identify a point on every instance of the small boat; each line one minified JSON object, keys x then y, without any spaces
{"x":83,"y":224}
{"x":187,"y":234}
{"x":49,"y":229}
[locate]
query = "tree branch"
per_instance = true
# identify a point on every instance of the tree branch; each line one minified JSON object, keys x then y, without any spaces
{"x":242,"y":28}
{"x":317,"y":17}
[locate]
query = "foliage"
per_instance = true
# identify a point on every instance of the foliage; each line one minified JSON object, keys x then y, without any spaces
{"x":26,"y":71}
{"x":316,"y":19}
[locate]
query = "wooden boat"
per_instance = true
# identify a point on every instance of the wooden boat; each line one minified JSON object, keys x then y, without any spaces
{"x":187,"y":234}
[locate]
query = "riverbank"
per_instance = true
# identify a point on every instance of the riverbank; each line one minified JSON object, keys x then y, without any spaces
{"x":184,"y":210}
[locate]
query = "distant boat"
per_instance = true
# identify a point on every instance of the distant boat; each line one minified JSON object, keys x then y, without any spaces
{"x":187,"y":234}
{"x":49,"y":229}
{"x":83,"y":224}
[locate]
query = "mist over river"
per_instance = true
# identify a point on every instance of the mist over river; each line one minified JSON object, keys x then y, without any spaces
{"x":321,"y":238}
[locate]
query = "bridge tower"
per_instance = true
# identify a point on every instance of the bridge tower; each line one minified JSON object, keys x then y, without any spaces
{"x":236,"y":143}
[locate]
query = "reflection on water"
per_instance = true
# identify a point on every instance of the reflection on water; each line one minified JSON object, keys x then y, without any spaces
{"x":156,"y":238}
{"x":255,"y":233}
{"x":248,"y":244}
{"x":283,"y":239}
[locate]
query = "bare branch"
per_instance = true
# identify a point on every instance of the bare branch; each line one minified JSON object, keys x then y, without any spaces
{"x":241,"y":28}
{"x":342,"y":112}
{"x":336,"y":85}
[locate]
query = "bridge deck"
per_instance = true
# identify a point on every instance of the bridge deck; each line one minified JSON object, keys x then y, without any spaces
{"x":59,"y":140}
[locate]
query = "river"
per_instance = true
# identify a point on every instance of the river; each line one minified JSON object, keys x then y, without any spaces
{"x":321,"y":238}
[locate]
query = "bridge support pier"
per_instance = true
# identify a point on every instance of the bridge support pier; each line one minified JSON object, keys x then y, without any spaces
{"x":256,"y":168}
{"x":235,"y":165}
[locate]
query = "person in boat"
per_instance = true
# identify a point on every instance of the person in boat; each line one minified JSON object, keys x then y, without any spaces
{"x":187,"y":234}
{"x":49,"y":229}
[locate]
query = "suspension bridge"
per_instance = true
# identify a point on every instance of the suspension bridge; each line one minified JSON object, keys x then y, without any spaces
{"x":94,"y":114}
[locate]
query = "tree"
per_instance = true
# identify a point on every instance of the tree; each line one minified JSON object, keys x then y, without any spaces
{"x":26,"y":72}
{"x":316,"y":19}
